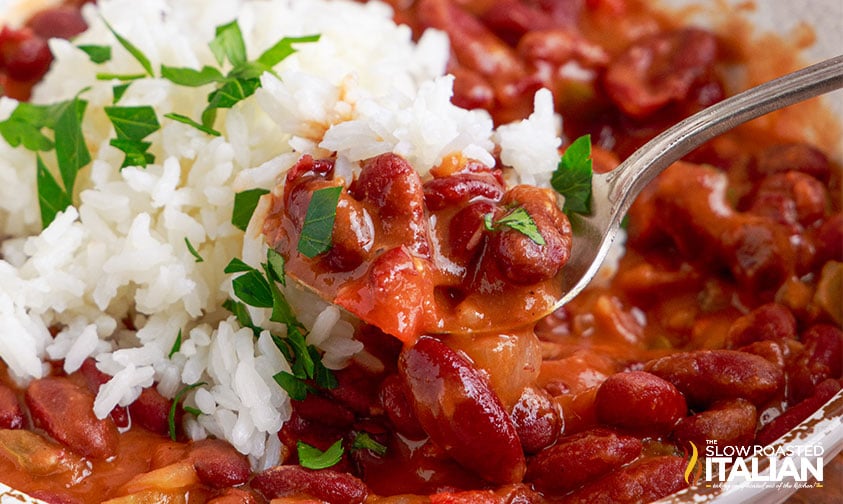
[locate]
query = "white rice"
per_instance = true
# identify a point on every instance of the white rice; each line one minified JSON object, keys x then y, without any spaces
{"x":364,"y":89}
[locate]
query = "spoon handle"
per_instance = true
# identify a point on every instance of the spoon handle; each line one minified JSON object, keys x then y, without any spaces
{"x":631,"y":176}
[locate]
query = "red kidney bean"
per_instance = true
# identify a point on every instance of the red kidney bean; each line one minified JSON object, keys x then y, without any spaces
{"x":467,"y":229}
{"x":353,"y":235}
{"x":151,"y":411}
{"x":302,"y":179}
{"x":315,"y":408}
{"x":537,"y":420}
{"x":770,"y":321}
{"x":474,"y":45}
{"x":828,"y":240}
{"x":645,"y":480}
{"x":559,"y":46}
{"x":786,"y":157}
{"x":61,"y":22}
{"x":802,"y":198}
{"x":512,"y":19}
{"x":24,"y":55}
{"x":459,"y":188}
{"x":706,"y":376}
{"x":659,"y":70}
{"x":327,"y":485}
{"x":396,"y":403}
{"x":730,"y":423}
{"x":639,"y":401}
{"x":65,"y":412}
{"x":471,"y":90}
{"x":459,"y":411}
{"x":580,"y":458}
{"x":759,"y":252}
{"x":11,"y":413}
{"x":218,"y":464}
{"x":522,"y":260}
{"x":797,"y":413}
{"x":822,"y":358}
{"x":95,"y":379}
{"x":357,"y":387}
{"x":395,"y":188}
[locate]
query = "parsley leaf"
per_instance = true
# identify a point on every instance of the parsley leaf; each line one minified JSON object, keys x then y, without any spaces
{"x":230,"y":94}
{"x":253,"y":289}
{"x":119,"y":90}
{"x":295,"y":387}
{"x":133,"y":50}
{"x":572,"y":178}
{"x":71,"y":150}
{"x":245,"y":203}
{"x":313,"y":458}
{"x":52,"y":199}
{"x":190,"y":77}
{"x":518,"y":219}
{"x":121,"y":77}
{"x":229,"y":43}
{"x":176,"y":345}
{"x":282,"y":49}
{"x":363,"y":441}
{"x":193,"y":251}
{"x":171,"y":417}
{"x":132,"y":125}
{"x":97,"y":53}
{"x":319,"y":221}
{"x":190,"y":122}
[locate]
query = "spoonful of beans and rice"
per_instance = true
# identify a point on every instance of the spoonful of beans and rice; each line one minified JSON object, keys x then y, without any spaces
{"x":462,"y":251}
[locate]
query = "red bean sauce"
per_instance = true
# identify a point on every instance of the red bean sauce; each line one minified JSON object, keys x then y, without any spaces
{"x":723,"y":321}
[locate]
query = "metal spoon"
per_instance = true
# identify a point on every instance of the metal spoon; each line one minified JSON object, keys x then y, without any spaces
{"x":614,"y":192}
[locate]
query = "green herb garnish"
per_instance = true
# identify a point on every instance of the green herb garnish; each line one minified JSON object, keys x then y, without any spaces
{"x":572,"y":178}
{"x":118,"y":91}
{"x":25,"y":127}
{"x":133,"y":50}
{"x":97,"y":53}
{"x":176,"y":345}
{"x":313,"y":458}
{"x":171,"y":417}
{"x":363,"y":441}
{"x":132,"y":125}
{"x":518,"y":219}
{"x":245,"y":203}
{"x":319,"y":222}
{"x":192,"y":250}
{"x":259,"y":288}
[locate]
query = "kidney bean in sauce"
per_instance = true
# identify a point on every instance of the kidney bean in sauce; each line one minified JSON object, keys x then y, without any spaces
{"x":387,"y":220}
{"x":691,"y":280}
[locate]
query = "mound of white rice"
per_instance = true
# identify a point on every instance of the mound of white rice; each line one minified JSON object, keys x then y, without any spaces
{"x":114,"y":274}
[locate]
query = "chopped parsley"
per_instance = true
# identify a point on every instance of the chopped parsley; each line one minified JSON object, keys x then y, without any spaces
{"x":314,"y":458}
{"x":97,"y":53}
{"x":258,"y":288}
{"x":25,"y":126}
{"x":171,"y":417}
{"x":572,"y":178}
{"x":363,"y":441}
{"x":132,"y":125}
{"x":245,"y":203}
{"x":192,"y":250}
{"x":518,"y":219}
{"x":176,"y":345}
{"x":319,"y":221}
{"x":133,"y":50}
